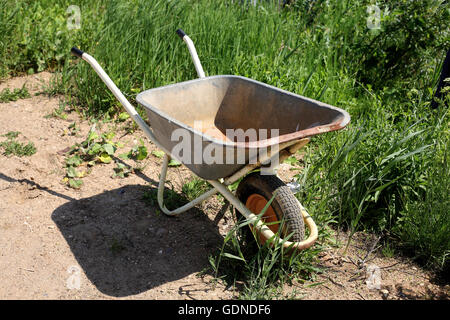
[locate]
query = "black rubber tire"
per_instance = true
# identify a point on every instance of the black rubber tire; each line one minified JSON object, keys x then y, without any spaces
{"x":284,"y":204}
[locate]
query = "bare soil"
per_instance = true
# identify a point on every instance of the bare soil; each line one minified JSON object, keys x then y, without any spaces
{"x":106,"y":241}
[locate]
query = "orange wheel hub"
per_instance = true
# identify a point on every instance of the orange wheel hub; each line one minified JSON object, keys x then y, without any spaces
{"x":256,"y":203}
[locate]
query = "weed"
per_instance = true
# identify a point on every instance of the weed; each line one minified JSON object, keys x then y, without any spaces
{"x":7,"y":95}
{"x":36,"y":37}
{"x":138,"y":152}
{"x":11,"y":135}
{"x":94,"y":149}
{"x":291,"y":160}
{"x":195,"y":188}
{"x":59,"y":112}
{"x":380,"y":176}
{"x":13,"y":147}
{"x":172,"y":199}
{"x":174,"y":163}
{"x":122,"y":170}
{"x":73,"y":129}
{"x":158,"y":153}
{"x":388,"y":250}
{"x":123,"y":116}
{"x":75,"y":183}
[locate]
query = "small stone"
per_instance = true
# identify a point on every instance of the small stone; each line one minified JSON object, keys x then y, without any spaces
{"x":385,"y":293}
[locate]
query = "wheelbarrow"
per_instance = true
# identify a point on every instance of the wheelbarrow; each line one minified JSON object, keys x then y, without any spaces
{"x":228,"y":128}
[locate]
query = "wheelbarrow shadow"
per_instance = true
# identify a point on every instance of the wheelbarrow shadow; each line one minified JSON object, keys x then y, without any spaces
{"x":126,"y":246}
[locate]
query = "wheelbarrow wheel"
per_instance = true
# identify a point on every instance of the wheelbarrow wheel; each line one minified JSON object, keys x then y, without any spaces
{"x":255,"y":190}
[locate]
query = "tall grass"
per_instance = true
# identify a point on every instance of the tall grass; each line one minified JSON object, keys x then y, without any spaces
{"x":380,"y":175}
{"x":139,"y":49}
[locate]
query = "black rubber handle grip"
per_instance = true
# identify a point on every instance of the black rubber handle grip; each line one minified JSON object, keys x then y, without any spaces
{"x":77,"y":52}
{"x":181,"y":33}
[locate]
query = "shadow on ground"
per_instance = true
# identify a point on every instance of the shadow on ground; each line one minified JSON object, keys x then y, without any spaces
{"x":126,"y":246}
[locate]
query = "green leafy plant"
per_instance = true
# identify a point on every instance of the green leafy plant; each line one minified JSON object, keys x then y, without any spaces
{"x":123,"y":116}
{"x":13,"y":147}
{"x":82,"y":156}
{"x":59,"y":112}
{"x":116,"y":246}
{"x":7,"y":95}
{"x":174,"y":163}
{"x":158,"y":153}
{"x":172,"y":199}
{"x":138,"y":152}
{"x":75,"y":183}
{"x":122,"y":170}
{"x":194,"y":188}
{"x":291,"y":160}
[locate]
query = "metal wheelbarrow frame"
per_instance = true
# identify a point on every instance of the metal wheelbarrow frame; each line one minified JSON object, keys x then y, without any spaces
{"x":286,"y":147}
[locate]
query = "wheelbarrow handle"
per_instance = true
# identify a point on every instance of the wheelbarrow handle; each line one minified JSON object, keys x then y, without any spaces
{"x":181,"y":33}
{"x":118,"y":94}
{"x":192,"y":51}
{"x":77,"y":52}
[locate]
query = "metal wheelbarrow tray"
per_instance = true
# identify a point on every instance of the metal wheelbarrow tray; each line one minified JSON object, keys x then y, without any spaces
{"x":224,"y":128}
{"x":207,"y":107}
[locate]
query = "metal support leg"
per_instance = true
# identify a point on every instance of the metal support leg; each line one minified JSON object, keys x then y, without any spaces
{"x":187,"y":206}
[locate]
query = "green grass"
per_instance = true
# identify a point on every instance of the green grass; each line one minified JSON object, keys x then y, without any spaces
{"x":387,"y":172}
{"x":383,"y":175}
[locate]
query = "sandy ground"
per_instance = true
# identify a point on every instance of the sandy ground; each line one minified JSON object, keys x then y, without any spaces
{"x":104,"y":241}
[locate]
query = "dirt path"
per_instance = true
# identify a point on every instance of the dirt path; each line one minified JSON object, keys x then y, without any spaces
{"x":104,"y":241}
